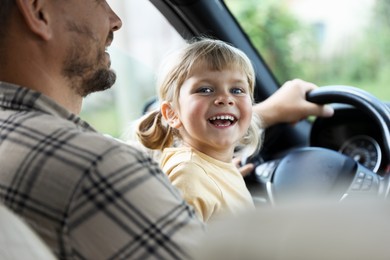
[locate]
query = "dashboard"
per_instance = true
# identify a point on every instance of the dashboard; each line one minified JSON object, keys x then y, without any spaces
{"x":351,"y":132}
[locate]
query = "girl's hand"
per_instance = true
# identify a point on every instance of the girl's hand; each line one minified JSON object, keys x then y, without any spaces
{"x":289,"y":105}
{"x":244,"y":170}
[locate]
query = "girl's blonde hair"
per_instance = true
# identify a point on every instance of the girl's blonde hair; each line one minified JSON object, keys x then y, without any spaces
{"x":153,"y":132}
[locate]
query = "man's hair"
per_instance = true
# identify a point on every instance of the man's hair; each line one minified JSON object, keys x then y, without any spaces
{"x":6,"y":7}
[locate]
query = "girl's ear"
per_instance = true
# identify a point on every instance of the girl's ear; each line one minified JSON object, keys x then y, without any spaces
{"x":36,"y":15}
{"x":170,"y":115}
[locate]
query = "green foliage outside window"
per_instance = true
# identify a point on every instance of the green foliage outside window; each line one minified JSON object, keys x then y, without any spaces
{"x":291,"y":48}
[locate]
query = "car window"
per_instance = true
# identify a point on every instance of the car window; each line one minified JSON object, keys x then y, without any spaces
{"x":328,"y":42}
{"x":136,"y":53}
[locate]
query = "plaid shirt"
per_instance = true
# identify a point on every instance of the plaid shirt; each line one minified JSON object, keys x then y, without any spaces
{"x":86,"y":195}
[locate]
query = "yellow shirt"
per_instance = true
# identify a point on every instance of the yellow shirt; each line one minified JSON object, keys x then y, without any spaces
{"x":211,"y":186}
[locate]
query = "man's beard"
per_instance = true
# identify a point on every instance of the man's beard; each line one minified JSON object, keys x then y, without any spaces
{"x":101,"y":80}
{"x":88,"y":75}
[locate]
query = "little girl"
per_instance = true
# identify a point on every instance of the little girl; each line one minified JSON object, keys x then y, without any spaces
{"x":206,"y":97}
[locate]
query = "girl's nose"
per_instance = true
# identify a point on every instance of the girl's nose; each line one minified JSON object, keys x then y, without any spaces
{"x":224,"y":100}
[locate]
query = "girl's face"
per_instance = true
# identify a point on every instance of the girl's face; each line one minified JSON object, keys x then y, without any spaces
{"x":214,"y":110}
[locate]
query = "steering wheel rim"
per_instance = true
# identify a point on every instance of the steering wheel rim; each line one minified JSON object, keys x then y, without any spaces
{"x":287,"y":175}
{"x":358,"y":98}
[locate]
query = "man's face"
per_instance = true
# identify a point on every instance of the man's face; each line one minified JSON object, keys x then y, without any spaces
{"x":90,"y":31}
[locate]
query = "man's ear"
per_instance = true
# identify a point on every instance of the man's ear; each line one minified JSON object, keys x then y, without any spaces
{"x":170,"y":115}
{"x":36,"y":16}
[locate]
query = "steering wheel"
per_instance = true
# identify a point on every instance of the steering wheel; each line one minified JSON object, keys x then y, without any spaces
{"x":314,"y":172}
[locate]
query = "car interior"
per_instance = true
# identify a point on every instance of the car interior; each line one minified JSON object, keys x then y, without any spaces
{"x":344,"y":156}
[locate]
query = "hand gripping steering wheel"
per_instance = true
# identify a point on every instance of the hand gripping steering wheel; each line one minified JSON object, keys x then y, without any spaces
{"x":314,"y":172}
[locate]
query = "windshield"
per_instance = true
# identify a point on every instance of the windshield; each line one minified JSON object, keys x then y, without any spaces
{"x":327,"y":42}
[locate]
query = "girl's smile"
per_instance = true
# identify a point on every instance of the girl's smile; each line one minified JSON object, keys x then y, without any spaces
{"x":223,"y":120}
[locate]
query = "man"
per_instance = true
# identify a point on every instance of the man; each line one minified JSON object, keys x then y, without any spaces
{"x":87,"y":196}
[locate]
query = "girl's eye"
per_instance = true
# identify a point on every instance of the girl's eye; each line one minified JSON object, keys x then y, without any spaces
{"x":237,"y":91}
{"x":205,"y":90}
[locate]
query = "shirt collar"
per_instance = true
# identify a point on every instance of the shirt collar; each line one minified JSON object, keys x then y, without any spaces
{"x":15,"y":97}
